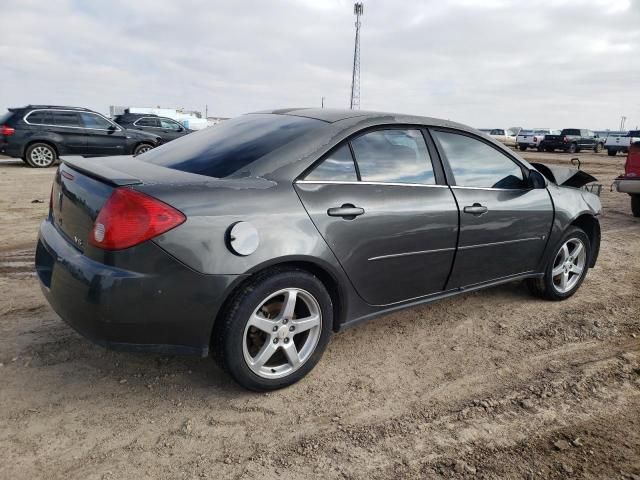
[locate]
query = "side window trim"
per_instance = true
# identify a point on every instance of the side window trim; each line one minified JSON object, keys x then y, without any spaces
{"x":447,"y":166}
{"x":78,"y":112}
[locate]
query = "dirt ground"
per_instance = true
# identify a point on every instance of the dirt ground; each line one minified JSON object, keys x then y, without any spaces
{"x":492,"y":384}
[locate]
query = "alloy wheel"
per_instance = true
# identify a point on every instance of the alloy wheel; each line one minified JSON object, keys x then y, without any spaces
{"x":41,"y":156}
{"x":568,"y":265}
{"x":282,"y":333}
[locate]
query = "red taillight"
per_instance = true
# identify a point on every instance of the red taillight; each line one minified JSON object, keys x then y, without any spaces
{"x":129,"y":218}
{"x":632,"y":165}
{"x":6,"y":130}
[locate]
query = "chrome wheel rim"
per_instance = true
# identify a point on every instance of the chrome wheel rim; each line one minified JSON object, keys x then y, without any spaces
{"x":41,"y":156}
{"x":282,"y":333}
{"x":569,"y":265}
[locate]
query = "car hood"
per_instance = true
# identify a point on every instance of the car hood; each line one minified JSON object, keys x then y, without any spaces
{"x":565,"y":176}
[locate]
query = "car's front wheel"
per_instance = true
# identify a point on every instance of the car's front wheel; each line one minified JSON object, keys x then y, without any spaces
{"x":140,"y":149}
{"x":40,"y":155}
{"x":598,"y":147}
{"x":274,"y":330}
{"x":566,"y":270}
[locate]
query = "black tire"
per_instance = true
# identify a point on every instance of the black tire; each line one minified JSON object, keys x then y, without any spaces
{"x":573,"y":148}
{"x":523,"y":147}
{"x":229,"y":340}
{"x":635,"y":205}
{"x":141,"y":148}
{"x":548,"y":149}
{"x":611,"y":152}
{"x":40,"y":155}
{"x":598,"y":148}
{"x":544,"y":287}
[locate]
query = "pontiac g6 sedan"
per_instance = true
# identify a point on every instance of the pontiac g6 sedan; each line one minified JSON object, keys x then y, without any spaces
{"x":256,"y":239}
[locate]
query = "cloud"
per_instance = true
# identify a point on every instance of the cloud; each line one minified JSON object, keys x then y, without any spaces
{"x":489,"y":64}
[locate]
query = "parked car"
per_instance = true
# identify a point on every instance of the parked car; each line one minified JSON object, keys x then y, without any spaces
{"x":257,"y":239}
{"x":615,"y":144}
{"x":40,"y":133}
{"x":533,"y":138}
{"x":573,"y":140}
{"x":630,"y":182}
{"x":505,"y":135}
{"x":166,"y":128}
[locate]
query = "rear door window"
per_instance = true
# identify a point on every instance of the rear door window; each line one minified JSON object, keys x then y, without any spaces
{"x":338,"y":166}
{"x":393,"y":156}
{"x":476,"y":164}
{"x":66,"y":119}
{"x":147,"y":122}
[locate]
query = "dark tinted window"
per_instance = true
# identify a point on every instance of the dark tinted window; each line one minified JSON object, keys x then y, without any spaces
{"x":395,"y":156}
{"x":497,"y":131}
{"x":476,"y":164}
{"x":336,"y":167}
{"x":91,"y":120}
{"x":66,"y":119}
{"x":40,"y":118}
{"x":148,"y":122}
{"x":232,"y":145}
{"x":571,"y":131}
{"x":634,"y":133}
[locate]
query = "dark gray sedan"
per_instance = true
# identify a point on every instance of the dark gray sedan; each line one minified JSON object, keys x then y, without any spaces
{"x":256,"y":239}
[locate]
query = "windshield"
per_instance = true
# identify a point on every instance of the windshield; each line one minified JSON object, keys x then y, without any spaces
{"x":229,"y":147}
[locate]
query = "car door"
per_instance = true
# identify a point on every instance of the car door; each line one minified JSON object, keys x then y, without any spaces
{"x":67,"y":124}
{"x":504,"y":224}
{"x":170,"y":129}
{"x":388,"y":217}
{"x":103,"y":136}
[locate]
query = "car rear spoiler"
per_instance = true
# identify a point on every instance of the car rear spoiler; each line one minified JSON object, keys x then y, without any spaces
{"x":565,"y":176}
{"x":94,"y":167}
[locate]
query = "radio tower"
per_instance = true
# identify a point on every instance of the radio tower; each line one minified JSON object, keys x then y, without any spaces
{"x":355,"y":78}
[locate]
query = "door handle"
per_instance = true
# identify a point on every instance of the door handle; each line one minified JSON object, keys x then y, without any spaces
{"x":346,"y":211}
{"x":476,"y":209}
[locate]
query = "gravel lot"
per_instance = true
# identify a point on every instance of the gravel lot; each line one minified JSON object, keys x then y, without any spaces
{"x":492,"y":384}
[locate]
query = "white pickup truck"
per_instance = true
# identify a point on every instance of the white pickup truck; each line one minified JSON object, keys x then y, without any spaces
{"x":615,"y":143}
{"x":532,"y":138}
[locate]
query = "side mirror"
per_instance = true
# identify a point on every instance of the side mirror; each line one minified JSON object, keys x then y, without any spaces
{"x":536,"y":179}
{"x":181,"y":129}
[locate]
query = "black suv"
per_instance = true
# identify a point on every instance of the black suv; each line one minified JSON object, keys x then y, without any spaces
{"x":40,"y":133}
{"x":166,"y":128}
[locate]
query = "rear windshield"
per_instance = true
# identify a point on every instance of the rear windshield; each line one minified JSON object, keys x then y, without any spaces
{"x":525,"y":132}
{"x":229,"y":147}
{"x":571,"y":131}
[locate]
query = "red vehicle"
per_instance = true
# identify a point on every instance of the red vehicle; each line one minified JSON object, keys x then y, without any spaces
{"x":630,"y":181}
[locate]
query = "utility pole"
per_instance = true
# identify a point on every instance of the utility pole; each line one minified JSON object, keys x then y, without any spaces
{"x":623,"y":120}
{"x":358,"y":9}
{"x":322,"y":102}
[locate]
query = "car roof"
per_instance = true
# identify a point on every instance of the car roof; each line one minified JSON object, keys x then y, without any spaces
{"x":332,"y":115}
{"x":61,"y":107}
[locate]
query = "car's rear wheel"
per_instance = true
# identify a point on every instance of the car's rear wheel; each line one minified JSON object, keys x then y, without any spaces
{"x":611,"y":152}
{"x":40,"y":155}
{"x":274,"y":330}
{"x":523,"y":147}
{"x":140,"y":149}
{"x":635,"y":205}
{"x":567,"y":268}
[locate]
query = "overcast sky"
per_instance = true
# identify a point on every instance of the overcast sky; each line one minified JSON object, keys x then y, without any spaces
{"x":487,"y":63}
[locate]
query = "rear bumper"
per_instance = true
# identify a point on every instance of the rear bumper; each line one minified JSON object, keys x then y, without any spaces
{"x":10,"y":149}
{"x":629,"y":185}
{"x":167,"y":308}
